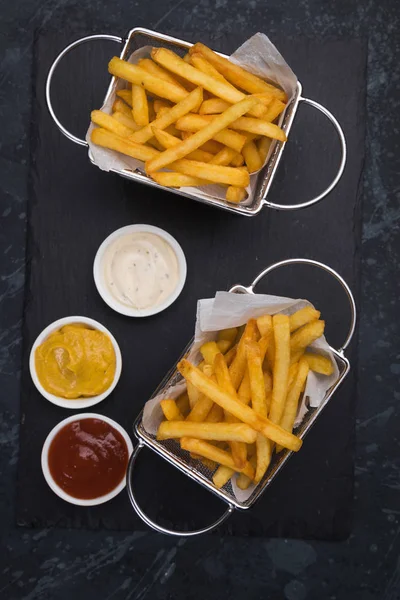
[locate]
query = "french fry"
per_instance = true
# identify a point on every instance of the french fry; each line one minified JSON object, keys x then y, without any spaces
{"x":108,"y":122}
{"x":193,"y":395}
{"x":213,"y":106}
{"x":271,"y":353}
{"x":183,"y":404}
{"x":210,"y":146}
{"x":126,"y":96}
{"x":216,"y":414}
{"x":296,"y":356}
{"x":170,"y":410}
{"x":200,"y":410}
{"x":239,"y":432}
{"x":159,"y":104}
{"x":213,"y":453}
{"x":169,"y":141}
{"x":302,"y":317}
{"x":230,"y":355}
{"x":138,"y":76}
{"x":235,"y":194}
{"x":152,"y":112}
{"x":259,"y":404}
{"x":228,"y":334}
{"x":306,"y":334}
{"x":107,"y":139}
{"x":257,"y":385}
{"x":251,"y":157}
{"x":244,"y":391}
{"x":292,"y":401}
{"x":151,"y":67}
{"x":156,"y":144}
{"x":140,"y":107}
{"x":293,"y":369}
{"x":196,"y":123}
{"x":223,"y":346}
{"x":126,"y":120}
{"x":238,"y":449}
{"x":237,"y":160}
{"x":172,"y":130}
{"x":177,"y":180}
{"x":318,"y":363}
{"x":244,"y":124}
{"x":274,"y":109}
{"x":243,"y":413}
{"x":250,"y":137}
{"x":224,"y":157}
{"x":222,"y":475}
{"x":209,"y":351}
{"x":238,"y":366}
{"x":264,"y":455}
{"x":242,"y":480}
{"x":192,"y":168}
{"x":264,"y":324}
{"x":208,"y":370}
{"x":280,"y":325}
{"x":225,"y":91}
{"x":215,"y":173}
{"x":268,"y":386}
{"x":198,"y":61}
{"x":163,"y":111}
{"x":189,"y":102}
{"x":263,"y":146}
{"x":236,"y":75}
{"x":122,"y":107}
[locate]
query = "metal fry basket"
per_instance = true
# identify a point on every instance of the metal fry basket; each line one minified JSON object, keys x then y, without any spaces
{"x":139,"y":37}
{"x":171,"y":451}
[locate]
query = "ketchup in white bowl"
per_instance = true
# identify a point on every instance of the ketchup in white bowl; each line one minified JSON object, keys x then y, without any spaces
{"x":85,"y":458}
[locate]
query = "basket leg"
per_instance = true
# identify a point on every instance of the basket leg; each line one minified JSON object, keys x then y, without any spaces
{"x":67,"y":50}
{"x":146,"y":519}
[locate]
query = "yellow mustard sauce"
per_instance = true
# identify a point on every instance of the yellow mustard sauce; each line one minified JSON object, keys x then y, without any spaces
{"x":76,"y":362}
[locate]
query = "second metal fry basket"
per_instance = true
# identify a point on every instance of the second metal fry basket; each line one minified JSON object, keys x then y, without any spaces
{"x":171,"y":451}
{"x":140,"y":37}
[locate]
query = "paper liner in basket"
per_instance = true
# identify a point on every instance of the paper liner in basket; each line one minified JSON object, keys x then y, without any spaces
{"x":259,"y":56}
{"x":233,"y":310}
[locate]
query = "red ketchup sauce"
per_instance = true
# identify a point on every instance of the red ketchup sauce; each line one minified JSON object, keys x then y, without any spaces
{"x":88,"y":458}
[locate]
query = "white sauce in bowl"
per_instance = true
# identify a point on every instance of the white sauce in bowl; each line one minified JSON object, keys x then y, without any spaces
{"x":140,"y":269}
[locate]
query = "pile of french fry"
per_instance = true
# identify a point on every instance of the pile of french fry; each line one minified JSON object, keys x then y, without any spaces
{"x":202,"y":117}
{"x":241,"y":401}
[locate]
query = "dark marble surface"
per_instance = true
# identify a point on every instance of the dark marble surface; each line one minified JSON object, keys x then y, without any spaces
{"x":58,"y":564}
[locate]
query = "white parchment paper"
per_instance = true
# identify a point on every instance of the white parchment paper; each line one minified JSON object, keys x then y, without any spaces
{"x":258,"y":55}
{"x":232,"y":310}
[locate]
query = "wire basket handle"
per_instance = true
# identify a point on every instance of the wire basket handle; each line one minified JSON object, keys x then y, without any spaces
{"x":339,"y":173}
{"x":146,"y":519}
{"x":307,"y":261}
{"x":67,"y":50}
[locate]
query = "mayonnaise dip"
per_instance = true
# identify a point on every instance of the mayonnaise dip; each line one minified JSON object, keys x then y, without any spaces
{"x":140,"y":269}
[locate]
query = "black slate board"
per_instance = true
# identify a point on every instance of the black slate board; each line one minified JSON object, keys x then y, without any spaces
{"x":74,"y":206}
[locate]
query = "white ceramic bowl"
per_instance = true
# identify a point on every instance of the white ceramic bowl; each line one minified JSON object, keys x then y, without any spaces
{"x":77,"y":402}
{"x":45,"y":461}
{"x":103,"y":289}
